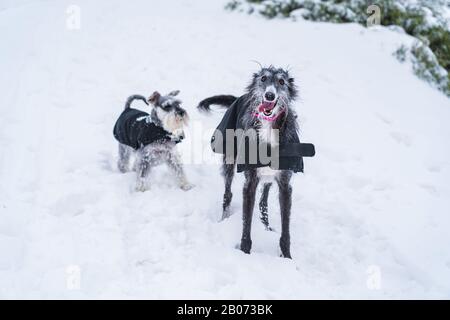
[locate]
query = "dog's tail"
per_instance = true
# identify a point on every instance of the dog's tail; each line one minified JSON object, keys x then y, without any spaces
{"x":134,"y":97}
{"x":221,"y":100}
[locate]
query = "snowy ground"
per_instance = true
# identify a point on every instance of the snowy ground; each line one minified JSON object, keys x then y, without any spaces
{"x":371,"y":214}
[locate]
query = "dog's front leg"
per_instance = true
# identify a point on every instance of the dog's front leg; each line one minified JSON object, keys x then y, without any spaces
{"x":174,"y":163}
{"x":285,"y":197}
{"x":251,"y":183}
{"x":143,"y":165}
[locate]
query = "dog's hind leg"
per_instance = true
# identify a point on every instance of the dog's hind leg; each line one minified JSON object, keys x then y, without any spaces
{"x":228,"y":174}
{"x":263,"y":207}
{"x":285,"y":197}
{"x":249,"y":193}
{"x":124,"y":158}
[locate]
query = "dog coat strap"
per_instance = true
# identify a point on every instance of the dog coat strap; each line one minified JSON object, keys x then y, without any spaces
{"x":297,"y":150}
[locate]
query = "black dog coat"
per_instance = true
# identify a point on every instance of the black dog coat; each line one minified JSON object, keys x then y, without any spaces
{"x":135,"y":129}
{"x":290,"y":148}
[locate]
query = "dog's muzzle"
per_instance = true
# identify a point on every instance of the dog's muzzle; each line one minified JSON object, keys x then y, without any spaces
{"x":267,"y":107}
{"x":265,"y":111}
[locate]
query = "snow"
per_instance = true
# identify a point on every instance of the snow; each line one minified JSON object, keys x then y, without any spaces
{"x":370,"y":216}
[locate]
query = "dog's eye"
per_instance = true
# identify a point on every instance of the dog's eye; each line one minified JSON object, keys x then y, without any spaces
{"x":281,"y":81}
{"x":263,"y":78}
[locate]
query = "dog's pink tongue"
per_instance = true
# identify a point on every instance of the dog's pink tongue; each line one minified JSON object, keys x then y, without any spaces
{"x":266,"y":105}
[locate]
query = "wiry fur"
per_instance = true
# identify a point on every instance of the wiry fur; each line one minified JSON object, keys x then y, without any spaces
{"x":168,"y":114}
{"x":278,"y":82}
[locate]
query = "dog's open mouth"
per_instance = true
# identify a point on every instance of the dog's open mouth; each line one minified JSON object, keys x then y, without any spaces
{"x":267,"y":107}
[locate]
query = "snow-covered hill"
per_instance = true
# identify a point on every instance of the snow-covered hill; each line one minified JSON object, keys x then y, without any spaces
{"x":371,"y":214}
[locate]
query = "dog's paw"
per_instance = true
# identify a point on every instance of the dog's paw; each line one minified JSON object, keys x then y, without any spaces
{"x":285,"y":245}
{"x":287,"y":256}
{"x":142,"y":186}
{"x":187,"y":186}
{"x":246,"y":245}
{"x":225,"y":214}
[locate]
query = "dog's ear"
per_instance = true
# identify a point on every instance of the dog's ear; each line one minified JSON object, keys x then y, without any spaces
{"x":154,"y":98}
{"x":174,"y":93}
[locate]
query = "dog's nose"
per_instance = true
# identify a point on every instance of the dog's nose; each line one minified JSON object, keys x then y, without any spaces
{"x":181,"y":113}
{"x":270,"y":96}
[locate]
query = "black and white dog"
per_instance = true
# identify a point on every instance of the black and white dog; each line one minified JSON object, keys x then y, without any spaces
{"x":266,"y":109}
{"x":152,"y":137}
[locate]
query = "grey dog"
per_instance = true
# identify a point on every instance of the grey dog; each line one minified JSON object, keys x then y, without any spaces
{"x":266,"y":105}
{"x":152,"y":138}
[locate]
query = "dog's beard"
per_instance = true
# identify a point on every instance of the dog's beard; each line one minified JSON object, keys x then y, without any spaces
{"x":172,"y":123}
